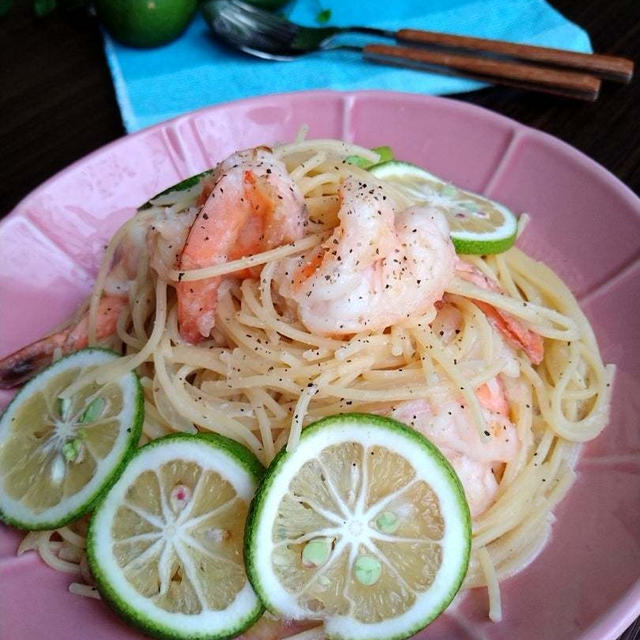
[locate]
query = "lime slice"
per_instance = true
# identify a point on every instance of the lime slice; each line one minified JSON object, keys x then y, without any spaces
{"x":364,"y":525}
{"x":165,"y":544}
{"x":57,"y":455}
{"x":478,"y":225}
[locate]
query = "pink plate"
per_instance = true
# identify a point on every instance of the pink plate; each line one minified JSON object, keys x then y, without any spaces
{"x":584,"y":223}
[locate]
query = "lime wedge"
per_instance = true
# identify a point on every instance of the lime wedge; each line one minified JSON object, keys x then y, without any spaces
{"x":56,"y":453}
{"x":364,"y":526}
{"x":478,"y":225}
{"x":165,"y":544}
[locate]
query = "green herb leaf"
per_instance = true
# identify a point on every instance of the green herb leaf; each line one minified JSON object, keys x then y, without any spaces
{"x":323,"y":16}
{"x":385,"y":153}
{"x":44,"y":7}
{"x":359,"y":161}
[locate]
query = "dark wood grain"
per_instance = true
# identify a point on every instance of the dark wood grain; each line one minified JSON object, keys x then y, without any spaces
{"x":494,"y":70}
{"x":612,"y":67}
{"x":57,"y":102}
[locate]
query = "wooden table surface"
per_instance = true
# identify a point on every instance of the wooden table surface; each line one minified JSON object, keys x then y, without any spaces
{"x":57,"y":101}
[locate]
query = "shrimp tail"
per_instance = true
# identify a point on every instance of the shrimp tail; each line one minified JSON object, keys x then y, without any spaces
{"x":24,"y":364}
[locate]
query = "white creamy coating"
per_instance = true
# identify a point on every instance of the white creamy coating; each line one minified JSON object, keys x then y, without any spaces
{"x":379,"y":266}
{"x":449,"y":425}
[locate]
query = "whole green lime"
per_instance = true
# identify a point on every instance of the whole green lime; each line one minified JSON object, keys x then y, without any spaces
{"x":145,"y":23}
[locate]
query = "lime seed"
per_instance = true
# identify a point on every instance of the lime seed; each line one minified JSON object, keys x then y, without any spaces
{"x":71,"y":450}
{"x":316,"y":552}
{"x":94,"y":410}
{"x":387,"y":522}
{"x":367,"y":570}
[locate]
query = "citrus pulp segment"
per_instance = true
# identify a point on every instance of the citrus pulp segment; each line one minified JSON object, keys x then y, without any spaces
{"x":477,"y":225}
{"x":364,"y":525}
{"x":165,"y":543}
{"x":57,"y":453}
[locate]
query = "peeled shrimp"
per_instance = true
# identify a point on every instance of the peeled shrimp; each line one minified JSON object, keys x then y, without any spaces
{"x":443,"y":419}
{"x":250,"y":205}
{"x":379,"y":266}
{"x":23,"y":364}
{"x":449,"y":323}
{"x":516,"y":333}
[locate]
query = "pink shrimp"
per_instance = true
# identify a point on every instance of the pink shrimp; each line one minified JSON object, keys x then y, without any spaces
{"x":516,"y":333}
{"x":379,"y":266}
{"x":250,"y":205}
{"x":445,"y":420}
{"x":23,"y":364}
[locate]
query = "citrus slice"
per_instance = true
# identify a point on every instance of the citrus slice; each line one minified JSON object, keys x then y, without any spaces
{"x":364,"y":525}
{"x":478,"y":225}
{"x":165,"y":543}
{"x":57,"y":455}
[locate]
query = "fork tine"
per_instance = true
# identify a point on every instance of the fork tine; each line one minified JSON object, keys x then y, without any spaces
{"x":267,"y":22}
{"x":261,"y":33}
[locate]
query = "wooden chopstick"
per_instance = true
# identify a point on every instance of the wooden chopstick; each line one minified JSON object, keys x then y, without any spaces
{"x":608,"y":67}
{"x":566,"y":83}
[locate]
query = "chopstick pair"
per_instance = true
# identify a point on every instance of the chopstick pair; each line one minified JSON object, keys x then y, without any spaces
{"x":567,"y":73}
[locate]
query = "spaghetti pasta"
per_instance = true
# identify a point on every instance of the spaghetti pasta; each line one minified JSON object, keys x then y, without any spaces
{"x":263,"y":375}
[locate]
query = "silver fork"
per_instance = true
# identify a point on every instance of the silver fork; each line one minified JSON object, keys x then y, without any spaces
{"x":266,"y":35}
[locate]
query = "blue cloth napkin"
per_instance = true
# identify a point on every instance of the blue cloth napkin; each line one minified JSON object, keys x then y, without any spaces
{"x":195,"y":71}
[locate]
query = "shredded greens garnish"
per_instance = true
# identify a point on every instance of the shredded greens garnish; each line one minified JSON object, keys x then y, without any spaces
{"x":385,"y":153}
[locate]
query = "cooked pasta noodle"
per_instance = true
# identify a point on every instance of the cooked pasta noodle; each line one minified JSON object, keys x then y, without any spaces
{"x":263,"y":376}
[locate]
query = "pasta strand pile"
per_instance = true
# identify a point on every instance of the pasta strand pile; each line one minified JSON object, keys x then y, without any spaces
{"x":263,"y":377}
